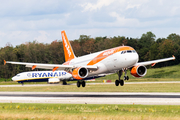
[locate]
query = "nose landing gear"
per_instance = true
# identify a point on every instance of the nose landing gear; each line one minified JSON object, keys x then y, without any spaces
{"x":126,"y":77}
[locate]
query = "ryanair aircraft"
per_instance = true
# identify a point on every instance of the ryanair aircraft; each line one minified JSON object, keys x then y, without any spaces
{"x":43,"y":76}
{"x":47,"y":76}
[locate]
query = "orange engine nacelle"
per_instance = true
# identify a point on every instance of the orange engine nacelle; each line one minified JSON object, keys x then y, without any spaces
{"x":138,"y":71}
{"x":80,"y":73}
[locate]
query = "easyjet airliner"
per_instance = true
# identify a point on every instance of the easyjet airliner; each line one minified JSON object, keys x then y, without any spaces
{"x":115,"y":60}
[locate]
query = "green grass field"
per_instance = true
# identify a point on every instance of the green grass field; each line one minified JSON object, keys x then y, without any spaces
{"x":159,"y":87}
{"x":88,"y":112}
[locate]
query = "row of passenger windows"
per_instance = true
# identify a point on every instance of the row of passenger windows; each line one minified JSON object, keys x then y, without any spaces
{"x":128,"y":51}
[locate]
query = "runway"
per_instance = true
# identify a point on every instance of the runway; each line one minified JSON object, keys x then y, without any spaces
{"x":91,"y":98}
{"x":39,"y":85}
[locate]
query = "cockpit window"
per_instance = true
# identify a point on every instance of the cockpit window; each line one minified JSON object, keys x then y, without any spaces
{"x":17,"y":75}
{"x":129,"y":51}
{"x":123,"y":52}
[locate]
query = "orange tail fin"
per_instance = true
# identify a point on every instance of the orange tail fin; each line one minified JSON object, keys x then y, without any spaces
{"x":68,"y":51}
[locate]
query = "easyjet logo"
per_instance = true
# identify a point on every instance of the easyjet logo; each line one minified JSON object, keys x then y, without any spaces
{"x":109,"y":52}
{"x":66,"y":45}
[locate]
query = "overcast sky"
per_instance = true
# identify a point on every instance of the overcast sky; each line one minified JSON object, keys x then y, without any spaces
{"x":24,"y":21}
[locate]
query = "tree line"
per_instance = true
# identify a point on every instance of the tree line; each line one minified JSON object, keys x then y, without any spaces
{"x":148,"y":48}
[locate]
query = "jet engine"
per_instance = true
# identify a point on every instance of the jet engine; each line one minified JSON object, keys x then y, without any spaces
{"x":138,"y":71}
{"x":80,"y":73}
{"x":53,"y":80}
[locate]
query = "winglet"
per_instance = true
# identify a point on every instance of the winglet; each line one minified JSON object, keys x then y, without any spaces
{"x":174,"y":57}
{"x":4,"y":62}
{"x":68,"y":51}
{"x":33,"y":67}
{"x":153,"y":64}
{"x":55,"y":68}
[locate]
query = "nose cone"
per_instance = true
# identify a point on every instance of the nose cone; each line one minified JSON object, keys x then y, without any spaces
{"x":136,"y":58}
{"x":132,"y":59}
{"x":14,"y":78}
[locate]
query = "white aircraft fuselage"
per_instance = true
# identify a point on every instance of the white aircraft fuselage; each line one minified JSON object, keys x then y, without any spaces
{"x":109,"y":61}
{"x":41,"y":76}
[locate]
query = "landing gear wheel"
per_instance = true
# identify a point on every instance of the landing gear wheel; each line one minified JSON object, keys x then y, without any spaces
{"x":78,"y":84}
{"x":64,"y":83}
{"x":121,"y":82}
{"x":117,"y":82}
{"x":83,"y":83}
{"x":126,"y":78}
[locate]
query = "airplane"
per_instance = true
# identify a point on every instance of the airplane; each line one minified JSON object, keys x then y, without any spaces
{"x":114,"y":60}
{"x":46,"y":76}
{"x":43,"y":76}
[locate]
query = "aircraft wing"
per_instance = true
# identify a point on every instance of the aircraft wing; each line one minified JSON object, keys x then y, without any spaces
{"x":153,"y":62}
{"x":49,"y":66}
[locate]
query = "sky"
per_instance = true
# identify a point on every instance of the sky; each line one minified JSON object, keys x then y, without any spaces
{"x":24,"y":21}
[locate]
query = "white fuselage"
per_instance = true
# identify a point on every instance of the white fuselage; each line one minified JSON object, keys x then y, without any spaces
{"x":40,"y":76}
{"x":110,"y":63}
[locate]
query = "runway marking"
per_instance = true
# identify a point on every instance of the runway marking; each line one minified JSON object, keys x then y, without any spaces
{"x":35,"y":85}
{"x":91,"y":98}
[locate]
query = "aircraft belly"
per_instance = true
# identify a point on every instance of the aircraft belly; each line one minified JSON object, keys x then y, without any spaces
{"x":101,"y":69}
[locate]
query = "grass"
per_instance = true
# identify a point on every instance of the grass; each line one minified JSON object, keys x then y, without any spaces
{"x":87,"y":112}
{"x":158,"y":87}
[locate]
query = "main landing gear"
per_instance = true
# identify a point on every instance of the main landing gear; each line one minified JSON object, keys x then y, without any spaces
{"x":79,"y":83}
{"x":121,"y":82}
{"x":64,"y":83}
{"x":22,"y":83}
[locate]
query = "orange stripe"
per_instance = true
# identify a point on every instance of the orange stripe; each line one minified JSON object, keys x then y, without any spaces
{"x":107,"y":53}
